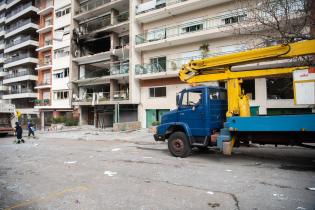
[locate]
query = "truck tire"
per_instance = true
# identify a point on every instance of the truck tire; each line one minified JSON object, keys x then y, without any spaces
{"x":3,"y":134}
{"x":178,"y":145}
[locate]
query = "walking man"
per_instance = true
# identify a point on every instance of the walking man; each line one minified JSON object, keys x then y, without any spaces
{"x":19,"y":132}
{"x":30,"y":129}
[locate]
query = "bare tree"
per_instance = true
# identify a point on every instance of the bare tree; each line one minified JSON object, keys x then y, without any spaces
{"x":282,"y":21}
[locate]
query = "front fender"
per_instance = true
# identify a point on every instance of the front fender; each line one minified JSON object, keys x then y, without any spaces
{"x":163,"y":128}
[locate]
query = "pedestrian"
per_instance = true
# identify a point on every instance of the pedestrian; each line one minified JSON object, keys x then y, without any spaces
{"x":30,"y":129}
{"x":19,"y":132}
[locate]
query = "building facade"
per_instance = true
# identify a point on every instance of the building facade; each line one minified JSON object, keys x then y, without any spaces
{"x":20,"y":56}
{"x":170,"y":33}
{"x":54,"y":57}
{"x":103,"y":84}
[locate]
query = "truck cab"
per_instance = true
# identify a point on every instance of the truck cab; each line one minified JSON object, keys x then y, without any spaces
{"x":200,"y":114}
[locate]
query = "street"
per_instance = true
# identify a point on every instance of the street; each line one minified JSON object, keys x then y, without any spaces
{"x":90,"y":169}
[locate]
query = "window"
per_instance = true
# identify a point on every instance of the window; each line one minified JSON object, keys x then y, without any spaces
{"x":158,"y":64}
{"x":192,"y":28}
{"x":249,"y":88}
{"x":60,"y":95}
{"x":62,"y":52}
{"x":279,"y":88}
{"x":62,"y":12}
{"x":192,"y":98}
{"x":62,"y":73}
{"x":217,"y":94}
{"x":157,"y":92}
{"x":234,"y":19}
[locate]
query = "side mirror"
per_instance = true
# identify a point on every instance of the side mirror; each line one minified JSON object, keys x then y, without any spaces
{"x":177,"y":99}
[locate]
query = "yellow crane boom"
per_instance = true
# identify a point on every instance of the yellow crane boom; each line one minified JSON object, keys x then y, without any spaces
{"x":219,"y":68}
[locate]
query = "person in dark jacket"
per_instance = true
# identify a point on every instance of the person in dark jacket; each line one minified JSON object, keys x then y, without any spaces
{"x":30,"y":129}
{"x":19,"y":132}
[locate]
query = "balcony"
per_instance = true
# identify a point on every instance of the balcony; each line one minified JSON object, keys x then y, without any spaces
{"x":2,"y":17}
{"x":47,"y":46}
{"x":44,"y":65}
{"x":3,"y":73}
{"x":3,"y":87}
{"x":19,"y":11}
{"x":48,"y":26}
{"x":2,"y":5}
{"x":22,"y":93}
{"x":1,"y":58}
{"x":151,"y":11}
{"x":47,"y":8}
{"x":41,"y":103}
{"x":2,"y":31}
{"x":118,"y":25}
{"x":20,"y":76}
{"x":20,"y":26}
{"x":99,"y":98}
{"x":43,"y":84}
{"x":115,"y":71}
{"x":94,"y":8}
{"x":171,"y":67}
{"x":20,"y":43}
{"x":11,"y":3}
{"x":197,"y":30}
{"x":22,"y":58}
{"x":1,"y":45}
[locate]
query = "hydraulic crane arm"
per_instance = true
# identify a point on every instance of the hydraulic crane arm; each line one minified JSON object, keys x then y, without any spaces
{"x":219,"y":68}
{"x":282,"y":51}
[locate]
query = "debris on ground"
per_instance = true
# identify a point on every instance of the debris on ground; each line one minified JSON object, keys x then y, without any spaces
{"x":210,"y":193}
{"x":228,"y":170}
{"x":70,"y":162}
{"x":311,"y":188}
{"x":115,"y":149}
{"x":213,"y":205}
{"x":110,"y":173}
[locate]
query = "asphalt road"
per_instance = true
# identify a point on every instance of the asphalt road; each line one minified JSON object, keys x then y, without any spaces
{"x":84,"y":170}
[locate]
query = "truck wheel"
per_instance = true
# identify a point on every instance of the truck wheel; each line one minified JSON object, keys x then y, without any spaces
{"x":178,"y":145}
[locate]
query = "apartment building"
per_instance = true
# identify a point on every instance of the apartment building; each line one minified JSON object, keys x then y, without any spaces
{"x":20,"y":56}
{"x":169,"y":33}
{"x":54,"y":57}
{"x":3,"y":88}
{"x":103,"y":76}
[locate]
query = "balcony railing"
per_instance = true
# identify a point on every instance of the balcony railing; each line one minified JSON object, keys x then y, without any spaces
{"x":47,"y":42}
{"x":151,"y":5}
{"x":102,"y":22}
{"x":19,"y":9}
{"x":44,"y":83}
{"x":114,"y":69}
{"x":92,"y":4}
{"x":19,"y":24}
{"x":20,"y":74}
{"x":191,"y":27}
{"x":104,"y":96}
{"x":21,"y":91}
{"x":19,"y":41}
{"x":19,"y":57}
{"x":42,"y":102}
{"x":47,"y":4}
{"x":43,"y":63}
{"x":174,"y":64}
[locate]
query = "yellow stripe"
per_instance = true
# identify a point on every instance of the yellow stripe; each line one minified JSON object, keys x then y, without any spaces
{"x":305,"y":81}
{"x":48,"y":197}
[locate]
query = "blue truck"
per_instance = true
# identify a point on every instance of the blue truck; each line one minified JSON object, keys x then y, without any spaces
{"x":200,"y":121}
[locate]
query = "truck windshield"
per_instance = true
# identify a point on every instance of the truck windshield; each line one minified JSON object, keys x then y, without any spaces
{"x":217,"y":94}
{"x":192,"y":98}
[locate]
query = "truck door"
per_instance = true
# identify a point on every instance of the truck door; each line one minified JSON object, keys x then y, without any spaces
{"x":192,"y":111}
{"x":218,"y":107}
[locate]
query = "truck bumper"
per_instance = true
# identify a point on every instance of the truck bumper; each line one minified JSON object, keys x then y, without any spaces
{"x":158,"y":137}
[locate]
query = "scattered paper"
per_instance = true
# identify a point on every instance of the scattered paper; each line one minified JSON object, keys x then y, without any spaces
{"x":228,"y":170}
{"x":147,"y":157}
{"x":70,"y":162}
{"x":311,"y":188}
{"x":110,"y":173}
{"x":115,"y":149}
{"x":211,"y":193}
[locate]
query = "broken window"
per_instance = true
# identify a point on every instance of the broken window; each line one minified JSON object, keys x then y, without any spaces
{"x":279,"y":88}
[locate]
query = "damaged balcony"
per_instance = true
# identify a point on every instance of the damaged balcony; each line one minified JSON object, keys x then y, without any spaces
{"x":106,"y":23}
{"x":101,"y":47}
{"x":93,"y":8}
{"x":100,"y":72}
